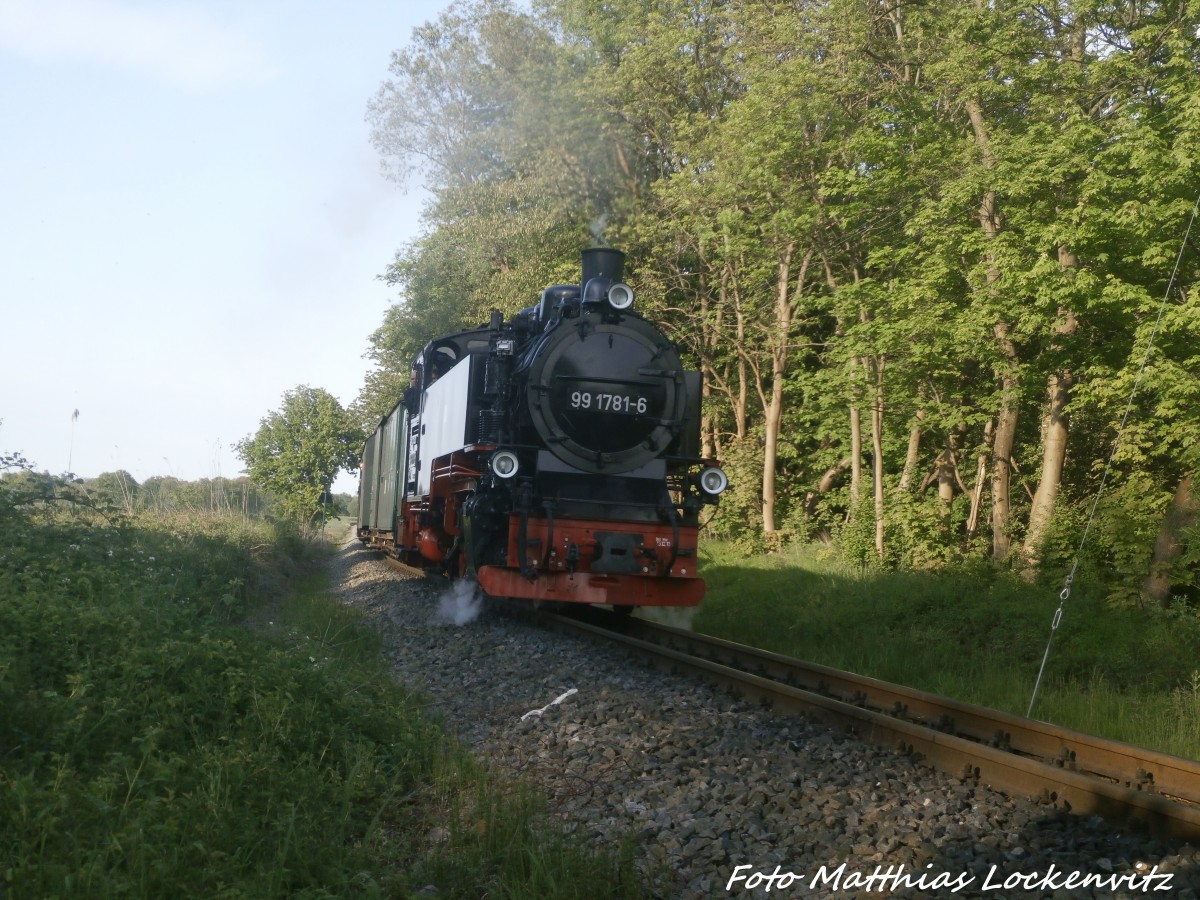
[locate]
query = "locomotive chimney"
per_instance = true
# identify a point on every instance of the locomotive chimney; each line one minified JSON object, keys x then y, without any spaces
{"x":602,"y":262}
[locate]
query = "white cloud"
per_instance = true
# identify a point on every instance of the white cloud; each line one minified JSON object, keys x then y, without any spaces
{"x":176,"y":43}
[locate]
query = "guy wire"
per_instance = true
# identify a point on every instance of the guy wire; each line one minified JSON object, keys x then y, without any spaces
{"x":1066,"y":591}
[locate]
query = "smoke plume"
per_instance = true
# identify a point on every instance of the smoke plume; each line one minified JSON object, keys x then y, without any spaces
{"x":597,"y":227}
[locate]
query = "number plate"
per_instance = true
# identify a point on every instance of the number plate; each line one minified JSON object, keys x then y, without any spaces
{"x":620,"y":402}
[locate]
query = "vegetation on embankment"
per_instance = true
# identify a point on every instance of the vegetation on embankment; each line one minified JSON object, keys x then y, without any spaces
{"x":977,"y":634}
{"x":188,"y":713}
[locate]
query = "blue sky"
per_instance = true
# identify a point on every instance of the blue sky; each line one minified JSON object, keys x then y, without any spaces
{"x":192,"y":221}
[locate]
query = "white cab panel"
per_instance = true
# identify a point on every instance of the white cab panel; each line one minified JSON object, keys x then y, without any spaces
{"x":443,"y":419}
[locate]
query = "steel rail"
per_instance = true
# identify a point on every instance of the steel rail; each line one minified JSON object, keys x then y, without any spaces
{"x":1128,"y":786}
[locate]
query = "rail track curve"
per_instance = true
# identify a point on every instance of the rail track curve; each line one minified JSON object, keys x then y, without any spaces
{"x":1128,"y":786}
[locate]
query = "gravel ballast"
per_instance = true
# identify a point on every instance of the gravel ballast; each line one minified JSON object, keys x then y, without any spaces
{"x":723,"y":798}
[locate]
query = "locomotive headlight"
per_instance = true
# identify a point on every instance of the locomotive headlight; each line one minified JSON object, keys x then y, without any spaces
{"x":504,"y":464}
{"x":713,"y":480}
{"x":620,"y":296}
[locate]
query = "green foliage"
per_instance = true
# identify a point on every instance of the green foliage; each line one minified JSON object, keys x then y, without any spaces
{"x":153,"y":746}
{"x":922,"y":532}
{"x":9,"y":461}
{"x":1114,"y":671}
{"x":1061,"y":542}
{"x":856,"y":537}
{"x":299,"y":449}
{"x":1128,"y":521}
{"x":170,"y":494}
{"x":117,"y":489}
{"x":741,"y":504}
{"x":1185,"y":570}
{"x":491,"y":841}
{"x":522,"y":166}
{"x":962,"y":202}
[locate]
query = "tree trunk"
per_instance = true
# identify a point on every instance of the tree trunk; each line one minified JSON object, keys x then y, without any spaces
{"x":1006,"y":419}
{"x":981,"y":468}
{"x":708,"y":441}
{"x":708,"y":427}
{"x":855,"y":455}
{"x":741,"y":406}
{"x":724,"y":373}
{"x":773,"y":409}
{"x":877,"y":452}
{"x":1054,"y":429}
{"x":944,"y":471}
{"x":912,"y":456}
{"x":1002,"y":448}
{"x":1182,"y":513}
{"x":823,"y":487}
{"x":1054,"y":454}
{"x":774,"y":415}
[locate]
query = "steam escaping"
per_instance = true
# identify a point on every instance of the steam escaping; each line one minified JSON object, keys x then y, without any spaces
{"x":597,"y":227}
{"x":461,"y":603}
{"x":675,"y":616}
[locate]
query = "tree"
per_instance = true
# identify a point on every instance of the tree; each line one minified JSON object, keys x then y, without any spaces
{"x":118,"y":488}
{"x":490,"y":109}
{"x":915,"y":243}
{"x":299,"y":449}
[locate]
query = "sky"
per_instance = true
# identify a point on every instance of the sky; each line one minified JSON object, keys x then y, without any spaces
{"x":192,"y":221}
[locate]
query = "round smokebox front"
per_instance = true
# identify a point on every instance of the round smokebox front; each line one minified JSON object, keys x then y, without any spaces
{"x":606,"y":398}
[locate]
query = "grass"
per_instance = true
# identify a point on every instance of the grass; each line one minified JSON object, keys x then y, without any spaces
{"x":189,"y":713}
{"x":974,"y":634}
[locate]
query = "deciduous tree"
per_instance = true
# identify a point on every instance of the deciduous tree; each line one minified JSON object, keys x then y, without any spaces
{"x":299,"y":449}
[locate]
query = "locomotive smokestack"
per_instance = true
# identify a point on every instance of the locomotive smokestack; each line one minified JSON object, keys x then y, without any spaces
{"x":602,"y":262}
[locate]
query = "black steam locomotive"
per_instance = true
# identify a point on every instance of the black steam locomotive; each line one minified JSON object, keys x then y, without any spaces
{"x":551,"y":457}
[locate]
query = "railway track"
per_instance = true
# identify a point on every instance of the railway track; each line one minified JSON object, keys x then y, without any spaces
{"x":1128,"y":786}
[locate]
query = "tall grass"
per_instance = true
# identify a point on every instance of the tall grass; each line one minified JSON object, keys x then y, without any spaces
{"x":976,"y":634}
{"x":152,"y":744}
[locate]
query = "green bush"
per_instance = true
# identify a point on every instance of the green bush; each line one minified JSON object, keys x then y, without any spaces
{"x":186,"y":713}
{"x":738,"y":518}
{"x":152,"y":747}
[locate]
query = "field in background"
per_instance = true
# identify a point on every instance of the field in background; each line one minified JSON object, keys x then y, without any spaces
{"x":978,"y":636}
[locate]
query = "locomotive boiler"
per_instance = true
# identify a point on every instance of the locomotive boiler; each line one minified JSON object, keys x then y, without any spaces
{"x":552,"y":457}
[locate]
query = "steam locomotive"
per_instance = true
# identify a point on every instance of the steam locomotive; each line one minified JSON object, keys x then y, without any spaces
{"x":553,"y":457}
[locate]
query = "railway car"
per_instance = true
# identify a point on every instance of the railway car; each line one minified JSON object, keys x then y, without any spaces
{"x":552,"y":457}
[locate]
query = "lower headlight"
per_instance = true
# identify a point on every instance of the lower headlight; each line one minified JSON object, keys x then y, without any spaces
{"x":504,"y":464}
{"x":713,"y":480}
